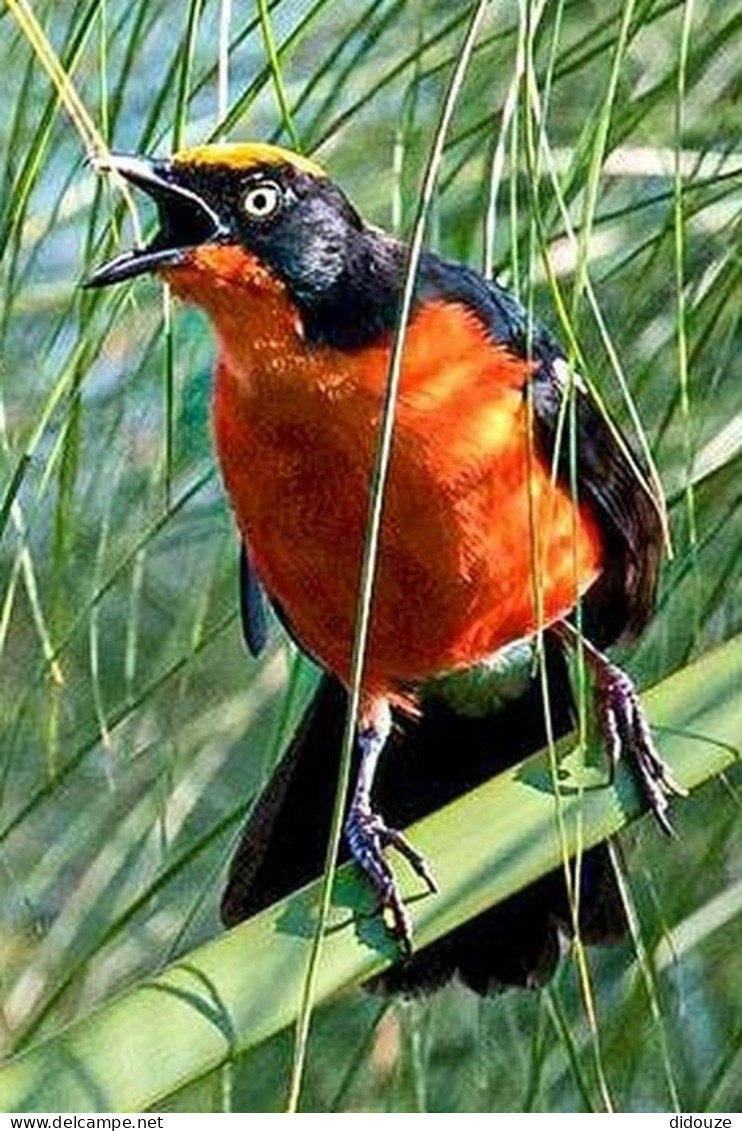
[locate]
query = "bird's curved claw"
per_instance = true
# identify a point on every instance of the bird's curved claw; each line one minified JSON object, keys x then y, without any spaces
{"x":626,"y":733}
{"x":368,"y":835}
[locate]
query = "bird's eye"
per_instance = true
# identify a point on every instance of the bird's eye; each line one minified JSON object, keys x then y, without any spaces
{"x":262,"y":200}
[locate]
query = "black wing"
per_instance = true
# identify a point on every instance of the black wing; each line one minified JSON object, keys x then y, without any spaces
{"x":622,"y":600}
{"x":253,"y":606}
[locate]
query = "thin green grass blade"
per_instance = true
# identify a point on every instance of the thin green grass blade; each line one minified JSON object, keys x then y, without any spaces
{"x":274,"y":60}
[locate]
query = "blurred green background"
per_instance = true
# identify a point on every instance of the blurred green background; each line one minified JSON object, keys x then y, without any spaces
{"x":133,"y":729}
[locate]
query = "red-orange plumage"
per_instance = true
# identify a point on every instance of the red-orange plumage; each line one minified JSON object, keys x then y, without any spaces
{"x":466,"y":530}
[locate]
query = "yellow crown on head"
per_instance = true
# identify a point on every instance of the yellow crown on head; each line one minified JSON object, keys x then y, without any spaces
{"x":245,"y":155}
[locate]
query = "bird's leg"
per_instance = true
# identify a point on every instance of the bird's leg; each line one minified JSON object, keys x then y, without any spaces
{"x":366,"y":832}
{"x":625,"y":729}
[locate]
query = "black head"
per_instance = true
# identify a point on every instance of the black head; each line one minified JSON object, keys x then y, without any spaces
{"x":282,"y":209}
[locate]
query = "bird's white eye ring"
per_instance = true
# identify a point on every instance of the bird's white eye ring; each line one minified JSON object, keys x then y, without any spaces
{"x":262,"y":200}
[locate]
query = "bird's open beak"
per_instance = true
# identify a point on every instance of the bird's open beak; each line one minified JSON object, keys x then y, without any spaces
{"x":185,"y":219}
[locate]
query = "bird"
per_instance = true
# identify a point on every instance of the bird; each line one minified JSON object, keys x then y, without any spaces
{"x":499,"y":541}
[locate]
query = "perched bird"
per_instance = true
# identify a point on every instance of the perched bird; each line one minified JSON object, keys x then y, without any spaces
{"x":481,"y":544}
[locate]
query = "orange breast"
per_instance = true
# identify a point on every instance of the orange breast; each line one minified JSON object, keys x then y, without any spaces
{"x":478,"y":546}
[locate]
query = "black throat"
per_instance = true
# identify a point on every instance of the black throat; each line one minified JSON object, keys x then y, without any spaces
{"x":360,"y":305}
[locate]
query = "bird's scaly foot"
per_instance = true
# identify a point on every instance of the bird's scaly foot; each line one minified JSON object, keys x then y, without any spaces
{"x":368,"y":836}
{"x":626,"y":733}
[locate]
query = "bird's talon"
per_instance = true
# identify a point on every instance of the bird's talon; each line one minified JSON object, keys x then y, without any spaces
{"x":401,"y":925}
{"x":626,"y":734}
{"x":414,"y":858}
{"x":672,"y":785}
{"x":367,"y":836}
{"x":657,"y":801}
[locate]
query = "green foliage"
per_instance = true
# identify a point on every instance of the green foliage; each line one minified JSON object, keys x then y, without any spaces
{"x":213,"y":1005}
{"x":133,"y":731}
